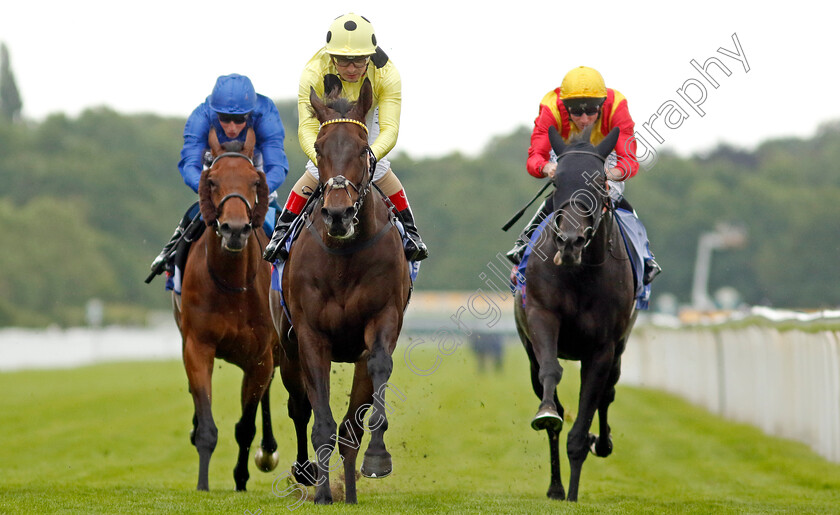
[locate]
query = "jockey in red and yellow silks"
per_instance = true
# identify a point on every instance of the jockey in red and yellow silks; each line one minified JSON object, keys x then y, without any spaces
{"x":351,"y":56}
{"x":584,"y":101}
{"x":614,"y":113}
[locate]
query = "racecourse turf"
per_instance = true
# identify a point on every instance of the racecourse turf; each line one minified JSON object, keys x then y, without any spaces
{"x":113,"y":438}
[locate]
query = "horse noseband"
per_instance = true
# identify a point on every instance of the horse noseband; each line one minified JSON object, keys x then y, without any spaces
{"x":240,"y":197}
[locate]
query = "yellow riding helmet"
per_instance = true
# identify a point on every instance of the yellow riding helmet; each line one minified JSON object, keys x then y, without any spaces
{"x":583,"y":82}
{"x":351,"y":35}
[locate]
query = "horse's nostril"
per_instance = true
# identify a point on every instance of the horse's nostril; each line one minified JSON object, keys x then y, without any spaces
{"x":579,"y":241}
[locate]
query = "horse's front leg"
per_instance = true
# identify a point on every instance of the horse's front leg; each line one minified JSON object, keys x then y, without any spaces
{"x":594,"y":374}
{"x":555,"y":488}
{"x":255,"y":380}
{"x":351,"y":430}
{"x":198,"y":362}
{"x":545,"y":329}
{"x":315,"y":360}
{"x":381,"y":338}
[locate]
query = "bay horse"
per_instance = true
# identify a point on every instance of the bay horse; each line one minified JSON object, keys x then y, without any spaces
{"x":346,"y":285}
{"x":222,"y":311}
{"x":579,"y":304}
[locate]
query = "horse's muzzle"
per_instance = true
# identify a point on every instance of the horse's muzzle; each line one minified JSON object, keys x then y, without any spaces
{"x":234,"y":236}
{"x":339,"y":221}
{"x":569,"y":249}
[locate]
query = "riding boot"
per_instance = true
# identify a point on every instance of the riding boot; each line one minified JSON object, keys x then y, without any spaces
{"x":652,"y":269}
{"x":415,"y":249}
{"x":165,"y":260}
{"x":276,"y":248}
{"x":518,"y":251}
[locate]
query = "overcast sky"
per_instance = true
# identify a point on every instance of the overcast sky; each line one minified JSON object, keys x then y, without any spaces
{"x":469,"y":71}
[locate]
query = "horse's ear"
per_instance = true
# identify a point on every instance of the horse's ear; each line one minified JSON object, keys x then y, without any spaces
{"x":319,"y":108}
{"x":261,"y":208}
{"x":365,"y":100}
{"x":332,"y":86}
{"x":213,"y":141}
{"x":205,"y":201}
{"x":556,"y":141}
{"x":607,"y":145}
{"x":250,"y":143}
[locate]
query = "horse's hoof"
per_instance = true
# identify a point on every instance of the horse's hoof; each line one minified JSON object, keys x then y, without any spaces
{"x":306,"y":475}
{"x":556,"y":493}
{"x":599,"y":448}
{"x":377,"y":467}
{"x":547,"y":419}
{"x":265,"y":461}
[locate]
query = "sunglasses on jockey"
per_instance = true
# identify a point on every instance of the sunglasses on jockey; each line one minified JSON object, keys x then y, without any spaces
{"x":357,"y":61}
{"x":235,"y":118}
{"x":577,"y":107}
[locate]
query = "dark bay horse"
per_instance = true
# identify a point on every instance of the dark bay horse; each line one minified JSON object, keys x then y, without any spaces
{"x":346,"y":285}
{"x":579,"y":304}
{"x":223,"y":311}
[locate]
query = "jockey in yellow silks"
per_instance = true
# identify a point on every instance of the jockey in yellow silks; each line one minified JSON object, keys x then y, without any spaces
{"x":350,"y":56}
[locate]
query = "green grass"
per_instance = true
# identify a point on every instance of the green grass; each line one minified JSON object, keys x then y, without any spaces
{"x":114,"y":439}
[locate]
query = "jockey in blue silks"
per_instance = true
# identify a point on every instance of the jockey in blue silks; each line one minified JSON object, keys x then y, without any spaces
{"x":232,"y":108}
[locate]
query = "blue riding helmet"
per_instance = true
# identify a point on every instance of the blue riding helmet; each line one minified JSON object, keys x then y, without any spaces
{"x":233,"y":94}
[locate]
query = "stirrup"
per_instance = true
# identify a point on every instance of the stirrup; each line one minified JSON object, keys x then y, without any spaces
{"x":515,"y":254}
{"x":276,"y":247}
{"x":652,"y":269}
{"x":415,"y":249}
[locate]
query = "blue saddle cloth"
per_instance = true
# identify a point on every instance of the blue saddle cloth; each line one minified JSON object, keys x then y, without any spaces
{"x":294,"y":231}
{"x":635,"y":241}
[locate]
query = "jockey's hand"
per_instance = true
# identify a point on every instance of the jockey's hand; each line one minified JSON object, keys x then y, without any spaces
{"x":615,"y":174}
{"x":549,"y":170}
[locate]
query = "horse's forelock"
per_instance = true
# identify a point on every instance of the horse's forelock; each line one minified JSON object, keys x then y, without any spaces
{"x":233,"y":146}
{"x":340,"y":105}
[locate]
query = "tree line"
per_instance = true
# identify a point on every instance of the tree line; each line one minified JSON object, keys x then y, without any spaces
{"x":88,"y":202}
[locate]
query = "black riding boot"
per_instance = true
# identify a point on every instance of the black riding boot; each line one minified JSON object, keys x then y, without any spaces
{"x":415,"y":249}
{"x":165,"y":260}
{"x":518,"y":251}
{"x":276,"y":248}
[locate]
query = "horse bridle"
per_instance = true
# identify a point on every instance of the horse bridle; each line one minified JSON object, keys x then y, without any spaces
{"x":234,"y":195}
{"x":340,"y":182}
{"x":589,"y":232}
{"x":219,"y":283}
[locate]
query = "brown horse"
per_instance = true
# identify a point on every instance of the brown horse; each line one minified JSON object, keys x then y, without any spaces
{"x":223,"y":311}
{"x":347,"y":284}
{"x":579,"y":304}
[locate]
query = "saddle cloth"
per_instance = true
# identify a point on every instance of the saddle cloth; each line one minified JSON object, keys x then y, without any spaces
{"x":635,"y":241}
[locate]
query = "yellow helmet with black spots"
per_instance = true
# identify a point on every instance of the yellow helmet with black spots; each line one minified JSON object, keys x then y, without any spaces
{"x":351,"y":35}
